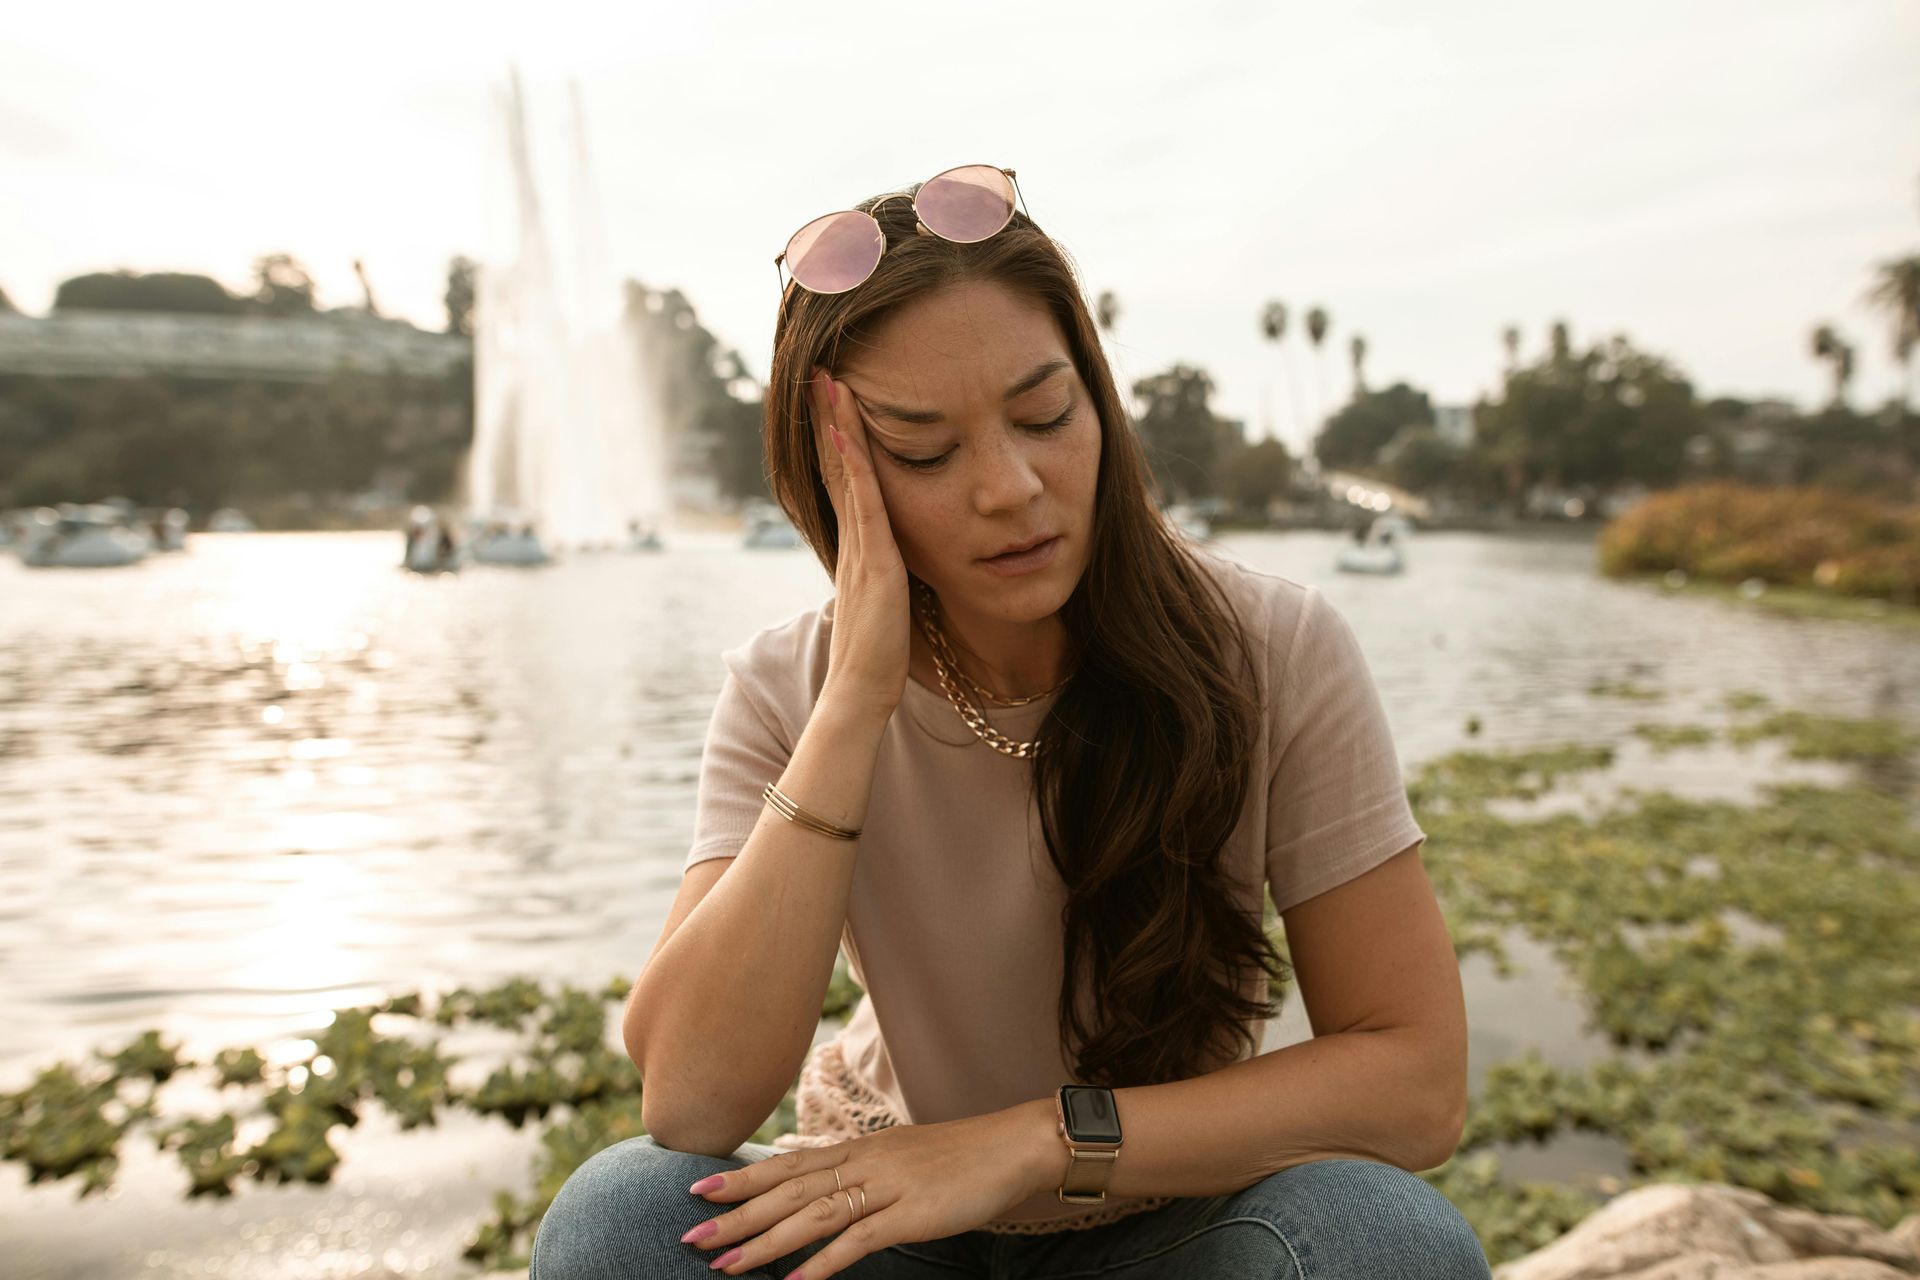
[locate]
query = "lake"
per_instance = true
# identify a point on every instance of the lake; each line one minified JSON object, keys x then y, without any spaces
{"x":276,"y":775}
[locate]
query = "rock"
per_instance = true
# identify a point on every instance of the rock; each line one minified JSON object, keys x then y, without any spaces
{"x":1674,"y":1231}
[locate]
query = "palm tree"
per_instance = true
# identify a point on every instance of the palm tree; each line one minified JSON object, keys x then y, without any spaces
{"x":1510,"y":338}
{"x":1316,"y":334}
{"x":1827,"y":344}
{"x":1357,"y":345}
{"x":1273,"y":327}
{"x":1106,"y":310}
{"x":1561,"y":340}
{"x":1897,"y":292}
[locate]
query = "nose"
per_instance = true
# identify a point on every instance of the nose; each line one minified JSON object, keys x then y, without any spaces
{"x":1006,"y":478}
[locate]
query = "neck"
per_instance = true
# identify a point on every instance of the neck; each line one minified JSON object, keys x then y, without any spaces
{"x":1015,"y":659}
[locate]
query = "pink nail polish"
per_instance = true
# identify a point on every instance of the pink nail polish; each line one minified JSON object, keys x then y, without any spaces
{"x":705,"y":1185}
{"x":839,"y":441}
{"x":726,"y":1259}
{"x":833,"y":394}
{"x":700,"y":1232}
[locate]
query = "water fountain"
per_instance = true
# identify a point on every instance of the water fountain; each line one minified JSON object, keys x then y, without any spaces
{"x":569,"y":445}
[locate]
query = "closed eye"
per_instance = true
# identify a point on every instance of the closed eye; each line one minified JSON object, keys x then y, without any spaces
{"x":935,"y":463}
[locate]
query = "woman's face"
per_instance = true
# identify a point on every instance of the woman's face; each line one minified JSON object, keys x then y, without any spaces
{"x":983,"y":435}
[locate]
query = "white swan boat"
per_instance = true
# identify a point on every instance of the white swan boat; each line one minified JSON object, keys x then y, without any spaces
{"x":81,"y":537}
{"x":1383,"y":550}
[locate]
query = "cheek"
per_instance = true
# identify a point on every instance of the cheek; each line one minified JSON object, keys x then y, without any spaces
{"x":1085,"y":467}
{"x":912,"y":511}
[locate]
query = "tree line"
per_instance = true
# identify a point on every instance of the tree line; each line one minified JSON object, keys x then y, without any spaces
{"x":1592,"y":419}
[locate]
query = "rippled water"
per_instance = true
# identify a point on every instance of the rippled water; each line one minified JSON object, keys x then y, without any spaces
{"x":275,"y":775}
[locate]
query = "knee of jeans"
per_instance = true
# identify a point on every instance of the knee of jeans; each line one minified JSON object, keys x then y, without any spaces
{"x":1405,"y":1211}
{"x":623,"y":1211}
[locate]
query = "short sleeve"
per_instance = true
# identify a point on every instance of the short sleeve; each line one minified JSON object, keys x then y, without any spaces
{"x":744,"y":751}
{"x":1337,"y":802}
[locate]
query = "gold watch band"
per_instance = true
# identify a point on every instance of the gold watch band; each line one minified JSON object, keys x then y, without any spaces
{"x":1089,"y":1164}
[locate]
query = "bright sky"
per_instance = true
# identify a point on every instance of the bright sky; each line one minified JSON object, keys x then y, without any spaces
{"x":1713,"y":177}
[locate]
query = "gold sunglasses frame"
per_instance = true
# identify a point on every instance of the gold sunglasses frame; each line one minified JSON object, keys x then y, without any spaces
{"x":1019,"y":205}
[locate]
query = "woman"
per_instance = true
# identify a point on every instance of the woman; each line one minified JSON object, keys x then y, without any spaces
{"x":998,"y":779}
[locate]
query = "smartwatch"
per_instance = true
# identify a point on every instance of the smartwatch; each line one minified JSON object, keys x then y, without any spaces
{"x":1090,"y":1126}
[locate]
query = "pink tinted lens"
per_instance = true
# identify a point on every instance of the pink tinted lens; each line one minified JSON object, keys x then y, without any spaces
{"x":835,"y":252}
{"x":966,"y":204}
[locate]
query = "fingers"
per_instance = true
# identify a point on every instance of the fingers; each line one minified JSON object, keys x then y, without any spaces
{"x":869,"y":1235}
{"x":801,"y":1221}
{"x":789,"y":1210}
{"x":833,"y":472}
{"x":850,"y":472}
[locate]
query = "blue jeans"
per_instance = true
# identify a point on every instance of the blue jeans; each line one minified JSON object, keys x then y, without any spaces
{"x":621,"y":1214}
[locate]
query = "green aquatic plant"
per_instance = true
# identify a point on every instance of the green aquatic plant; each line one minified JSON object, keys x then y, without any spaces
{"x":1825,"y":737}
{"x":1760,"y":959}
{"x":1752,"y":965}
{"x":67,"y":1122}
{"x":1468,"y":779}
{"x":1510,"y":1219}
{"x":239,"y":1066}
{"x":146,"y":1057}
{"x":1669,"y":737}
{"x":1626,"y":689}
{"x":506,"y":1006}
{"x":205,"y":1149}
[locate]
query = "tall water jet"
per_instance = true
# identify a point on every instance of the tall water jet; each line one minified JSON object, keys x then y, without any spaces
{"x":568,"y":435}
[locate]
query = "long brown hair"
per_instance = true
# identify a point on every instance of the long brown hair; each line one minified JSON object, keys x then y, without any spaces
{"x":1143,"y":767}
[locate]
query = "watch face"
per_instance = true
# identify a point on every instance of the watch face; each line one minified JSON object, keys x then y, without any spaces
{"x":1090,"y":1114}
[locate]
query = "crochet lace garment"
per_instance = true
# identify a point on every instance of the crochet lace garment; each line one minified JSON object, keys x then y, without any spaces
{"x":831,"y":1106}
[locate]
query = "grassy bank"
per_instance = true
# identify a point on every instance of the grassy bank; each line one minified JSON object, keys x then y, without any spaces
{"x":1788,"y":1062}
{"x":1792,"y":602}
{"x":1818,"y":541}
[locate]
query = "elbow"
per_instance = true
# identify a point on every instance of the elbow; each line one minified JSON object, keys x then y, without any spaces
{"x":1441,"y":1135}
{"x":684,"y":1131}
{"x":684,"y":1106}
{"x":705,"y":1125}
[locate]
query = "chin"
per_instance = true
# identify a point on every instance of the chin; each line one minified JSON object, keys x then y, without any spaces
{"x":1028,"y":599}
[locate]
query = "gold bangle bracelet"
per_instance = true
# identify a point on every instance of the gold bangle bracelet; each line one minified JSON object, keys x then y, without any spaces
{"x":787,"y":809}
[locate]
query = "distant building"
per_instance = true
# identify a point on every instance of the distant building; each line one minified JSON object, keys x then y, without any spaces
{"x":1453,"y":423}
{"x":88,"y":343}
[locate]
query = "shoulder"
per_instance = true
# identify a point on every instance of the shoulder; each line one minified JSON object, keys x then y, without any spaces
{"x":1275,"y":610}
{"x":782,"y":667}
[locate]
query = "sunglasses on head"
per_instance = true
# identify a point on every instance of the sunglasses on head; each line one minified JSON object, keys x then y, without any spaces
{"x":837,"y":251}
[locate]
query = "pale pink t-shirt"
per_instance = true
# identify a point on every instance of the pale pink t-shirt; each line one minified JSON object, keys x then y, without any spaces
{"x":953,"y":923}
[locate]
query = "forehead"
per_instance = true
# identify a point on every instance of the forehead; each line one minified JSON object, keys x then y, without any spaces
{"x":964,"y":344}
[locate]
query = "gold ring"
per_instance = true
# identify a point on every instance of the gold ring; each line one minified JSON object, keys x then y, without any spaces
{"x":863,"y":1200}
{"x":836,"y":1179}
{"x":852,"y":1217}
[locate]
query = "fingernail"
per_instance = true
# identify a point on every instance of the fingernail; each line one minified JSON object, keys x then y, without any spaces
{"x":700,"y":1232}
{"x":707,"y":1184}
{"x":839,"y":442}
{"x":833,"y":394}
{"x":726,"y":1259}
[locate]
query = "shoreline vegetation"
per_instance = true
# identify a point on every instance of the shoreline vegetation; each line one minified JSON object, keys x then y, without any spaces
{"x":1821,"y":545}
{"x":1754,"y":967}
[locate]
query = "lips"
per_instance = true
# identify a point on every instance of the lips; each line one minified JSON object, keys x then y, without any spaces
{"x":1028,"y":545}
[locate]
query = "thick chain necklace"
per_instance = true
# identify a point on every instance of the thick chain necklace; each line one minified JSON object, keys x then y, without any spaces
{"x":950,"y":681}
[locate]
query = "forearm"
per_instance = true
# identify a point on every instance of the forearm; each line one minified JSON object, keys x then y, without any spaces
{"x":1372,"y":1095}
{"x":721,"y":1018}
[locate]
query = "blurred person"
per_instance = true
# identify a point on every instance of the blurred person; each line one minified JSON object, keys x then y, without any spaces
{"x":1039,"y":797}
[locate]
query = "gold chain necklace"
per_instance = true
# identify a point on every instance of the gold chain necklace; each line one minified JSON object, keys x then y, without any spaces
{"x":948,"y":669}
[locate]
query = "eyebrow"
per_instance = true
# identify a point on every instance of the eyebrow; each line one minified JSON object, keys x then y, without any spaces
{"x":928,"y":417}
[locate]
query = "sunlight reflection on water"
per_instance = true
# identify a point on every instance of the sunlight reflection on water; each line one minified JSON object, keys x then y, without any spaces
{"x":242,"y":785}
{"x":277,"y":775}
